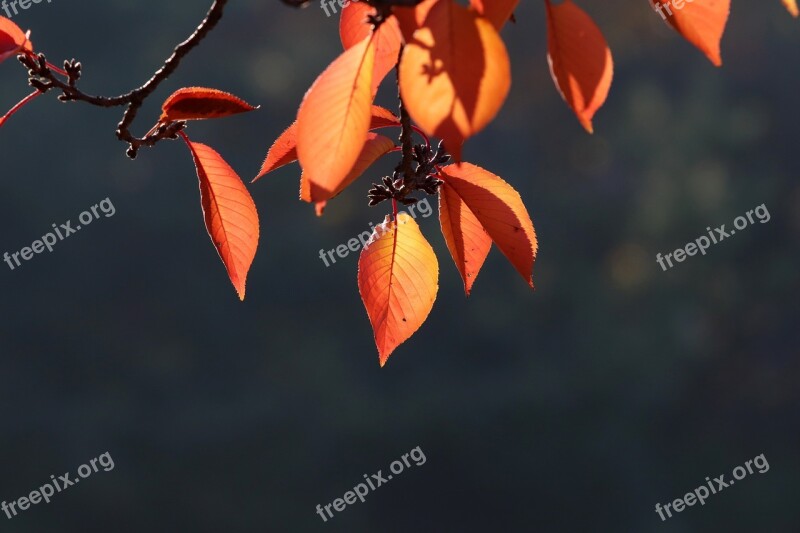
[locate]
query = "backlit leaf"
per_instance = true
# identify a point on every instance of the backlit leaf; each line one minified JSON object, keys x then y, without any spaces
{"x":12,"y":39}
{"x":468,"y":242}
{"x":579,"y":58}
{"x":791,"y":5}
{"x":499,"y":209}
{"x":334,"y":118}
{"x":284,"y":150}
{"x":497,"y":11}
{"x":374,"y":148}
{"x":398,"y":278}
{"x":196,"y":103}
{"x":454,"y":74}
{"x":410,"y":19}
{"x":700,"y":23}
{"x":229,"y":212}
{"x":354,"y":28}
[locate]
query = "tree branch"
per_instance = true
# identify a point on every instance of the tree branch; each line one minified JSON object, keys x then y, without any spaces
{"x":42,"y":77}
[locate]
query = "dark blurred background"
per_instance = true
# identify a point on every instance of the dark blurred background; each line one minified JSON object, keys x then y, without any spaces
{"x":574,"y":407}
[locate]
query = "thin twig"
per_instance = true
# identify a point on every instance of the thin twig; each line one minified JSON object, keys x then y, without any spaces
{"x":43,"y":76}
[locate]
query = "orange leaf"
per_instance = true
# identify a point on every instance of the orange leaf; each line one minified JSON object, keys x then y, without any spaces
{"x":455,"y":74}
{"x":197,"y":103}
{"x":410,"y":19}
{"x":382,"y":118}
{"x":229,"y":212}
{"x":499,"y":209}
{"x":700,"y":23}
{"x":374,"y":148}
{"x":466,"y":239}
{"x":354,"y":28}
{"x":580,"y":60}
{"x":334,"y":118}
{"x":791,"y":5}
{"x":12,"y":40}
{"x":284,"y":150}
{"x":497,"y":11}
{"x":398,"y":278}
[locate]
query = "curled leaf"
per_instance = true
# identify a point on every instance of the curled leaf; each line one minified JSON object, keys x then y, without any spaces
{"x":398,"y":278}
{"x":579,"y":58}
{"x":229,"y":212}
{"x":454,"y":74}
{"x":198,"y":103}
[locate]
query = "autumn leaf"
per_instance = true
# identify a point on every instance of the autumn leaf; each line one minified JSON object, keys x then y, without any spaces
{"x":229,"y":212}
{"x":467,"y":240}
{"x":497,"y":11}
{"x":499,"y":209}
{"x":374,"y":148}
{"x":197,"y":103}
{"x":454,"y":74}
{"x":334,"y":118}
{"x":12,"y":40}
{"x":579,"y":58}
{"x":354,"y":28}
{"x":398,"y":278}
{"x":410,"y":19}
{"x":700,"y":23}
{"x":791,"y":5}
{"x":284,"y":149}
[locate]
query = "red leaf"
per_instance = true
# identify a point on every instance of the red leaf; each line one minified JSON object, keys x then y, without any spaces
{"x":497,"y":11}
{"x":468,"y":242}
{"x":454,"y":74}
{"x":499,"y":209}
{"x":197,"y":103}
{"x":580,"y":60}
{"x":12,"y":40}
{"x":374,"y":148}
{"x":354,"y":28}
{"x":229,"y":212}
{"x":284,"y":150}
{"x":700,"y":23}
{"x":398,"y":278}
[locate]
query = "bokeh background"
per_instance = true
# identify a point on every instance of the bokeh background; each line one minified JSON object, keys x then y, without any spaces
{"x":574,"y":407}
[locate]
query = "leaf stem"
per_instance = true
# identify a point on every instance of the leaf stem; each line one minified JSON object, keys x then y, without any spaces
{"x":19,"y":106}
